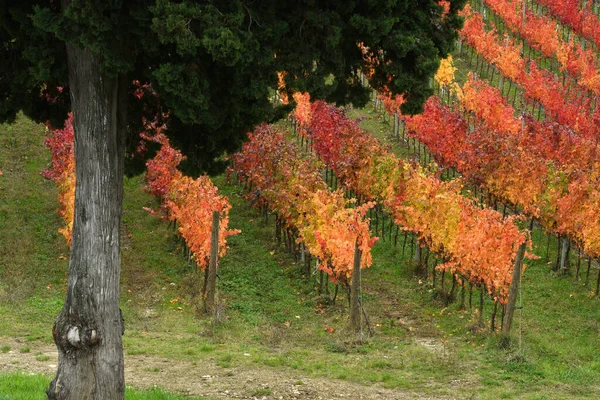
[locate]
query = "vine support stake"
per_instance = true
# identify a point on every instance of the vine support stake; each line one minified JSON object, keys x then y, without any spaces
{"x":211,"y":301}
{"x":514,"y":291}
{"x":355,"y":320}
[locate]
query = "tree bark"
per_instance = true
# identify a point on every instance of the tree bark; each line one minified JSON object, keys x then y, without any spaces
{"x":211,"y":292}
{"x":355,"y":291}
{"x":88,"y":329}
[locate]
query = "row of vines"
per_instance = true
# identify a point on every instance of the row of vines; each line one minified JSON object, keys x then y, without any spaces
{"x":188,"y":203}
{"x":547,"y":169}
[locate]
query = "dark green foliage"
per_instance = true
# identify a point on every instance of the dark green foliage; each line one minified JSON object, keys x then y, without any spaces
{"x":214,"y":64}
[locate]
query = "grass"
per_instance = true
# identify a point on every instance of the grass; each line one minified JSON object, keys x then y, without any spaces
{"x":29,"y":248}
{"x":272,"y":316}
{"x":41,"y":357}
{"x":261,"y":392}
{"x":20,"y":386}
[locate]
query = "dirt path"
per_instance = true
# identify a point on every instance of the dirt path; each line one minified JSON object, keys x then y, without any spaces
{"x":204,"y":378}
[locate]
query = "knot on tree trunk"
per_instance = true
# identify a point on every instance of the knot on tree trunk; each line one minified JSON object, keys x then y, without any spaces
{"x":79,"y":339}
{"x":72,"y":336}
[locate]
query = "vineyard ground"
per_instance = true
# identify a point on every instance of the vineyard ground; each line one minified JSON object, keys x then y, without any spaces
{"x":277,"y":338}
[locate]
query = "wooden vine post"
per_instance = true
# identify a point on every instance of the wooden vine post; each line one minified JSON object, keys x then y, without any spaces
{"x":564,"y":253}
{"x":210,"y":303}
{"x":355,"y":320}
{"x":417,"y":258}
{"x":514,"y":291}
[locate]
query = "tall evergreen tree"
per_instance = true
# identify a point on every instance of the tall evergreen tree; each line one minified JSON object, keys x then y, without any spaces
{"x":214,"y":66}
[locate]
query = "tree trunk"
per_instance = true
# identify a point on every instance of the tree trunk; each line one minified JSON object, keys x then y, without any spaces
{"x":320,"y":292}
{"x":337,"y":285}
{"x":587,"y":274}
{"x":278,"y":232}
{"x":558,"y":253}
{"x":418,"y":256}
{"x":493,"y":323}
{"x":354,"y":292}
{"x":563,"y":254}
{"x":481,"y":291}
{"x":462,"y":295}
{"x":514,"y":290}
{"x":88,"y":329}
{"x":470,"y":295}
{"x":578,"y":264}
{"x":210,"y":304}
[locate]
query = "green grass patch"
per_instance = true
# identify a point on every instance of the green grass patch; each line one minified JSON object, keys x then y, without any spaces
{"x":261,"y":392}
{"x":20,"y":386}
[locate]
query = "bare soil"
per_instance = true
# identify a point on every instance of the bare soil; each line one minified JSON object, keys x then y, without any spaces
{"x":204,"y":378}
